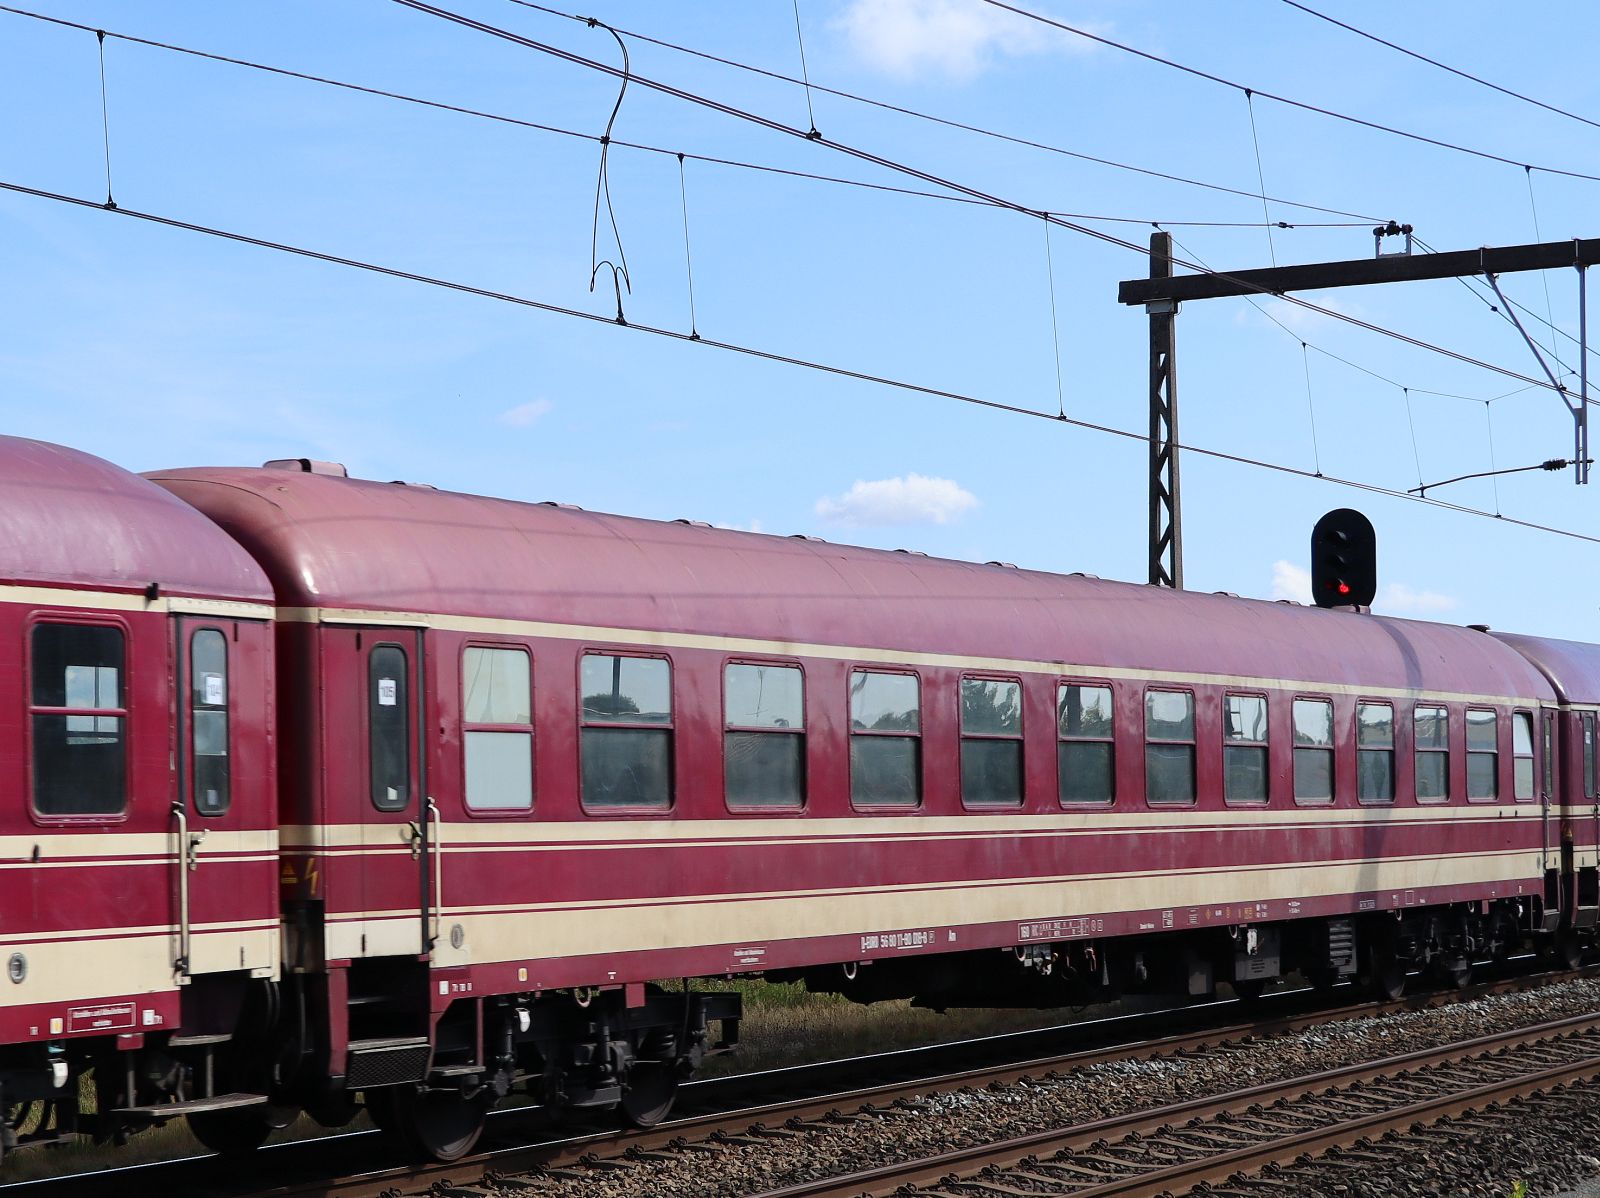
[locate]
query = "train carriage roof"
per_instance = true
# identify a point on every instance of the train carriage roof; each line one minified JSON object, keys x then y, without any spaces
{"x":69,"y":518}
{"x":1572,"y":667}
{"x":332,"y":542}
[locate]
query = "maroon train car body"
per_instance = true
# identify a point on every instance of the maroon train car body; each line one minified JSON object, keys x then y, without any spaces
{"x":425,"y":791}
{"x":638,"y":750}
{"x":138,"y":848}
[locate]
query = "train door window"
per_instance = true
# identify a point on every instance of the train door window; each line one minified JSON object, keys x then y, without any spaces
{"x":1244,"y":748}
{"x":1313,"y":751}
{"x":1374,"y":752}
{"x":1483,"y":755}
{"x":208,"y":720}
{"x":764,"y":737}
{"x":1085,"y":751}
{"x":1169,"y":747}
{"x":389,"y":728}
{"x":1588,"y":757}
{"x":991,"y":742}
{"x":627,"y":731}
{"x":497,"y":728}
{"x":885,"y":739}
{"x":1433,"y":754}
{"x":79,"y":715}
{"x":1521,"y":755}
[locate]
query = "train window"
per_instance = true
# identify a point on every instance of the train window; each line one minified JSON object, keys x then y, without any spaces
{"x":885,"y":739}
{"x":627,"y":731}
{"x":1483,"y":754}
{"x":1313,"y":751}
{"x":1244,"y":748}
{"x":389,"y":728}
{"x":497,"y":728}
{"x":1433,"y":754}
{"x":991,"y":742}
{"x":1521,"y":755}
{"x":1085,"y":751}
{"x":1589,"y":757}
{"x":208,"y":720}
{"x":79,"y":716}
{"x":1375,"y":752}
{"x":764,"y":742}
{"x":1169,"y":747}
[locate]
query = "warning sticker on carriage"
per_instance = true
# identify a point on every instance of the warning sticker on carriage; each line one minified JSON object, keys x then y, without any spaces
{"x":101,"y":1018}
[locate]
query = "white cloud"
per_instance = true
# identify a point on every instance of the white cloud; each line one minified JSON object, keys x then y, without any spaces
{"x":1300,"y":321}
{"x":525,"y":414}
{"x":1400,"y":600}
{"x":957,"y":39}
{"x":1289,"y":581}
{"x":753,"y":526}
{"x":913,"y":499}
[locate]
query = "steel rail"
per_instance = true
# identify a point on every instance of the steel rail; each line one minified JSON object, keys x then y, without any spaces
{"x":949,"y":1167}
{"x":741,"y":1113}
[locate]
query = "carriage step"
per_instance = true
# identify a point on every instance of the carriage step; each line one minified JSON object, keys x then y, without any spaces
{"x":162,"y":1111}
{"x":387,"y":1061}
{"x":198,"y":1039}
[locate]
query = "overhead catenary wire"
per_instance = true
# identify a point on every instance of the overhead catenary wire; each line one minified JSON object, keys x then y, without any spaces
{"x":1303,"y":105}
{"x":890,"y":164}
{"x":709,"y":159}
{"x":1434,"y":62}
{"x":762,"y":354}
{"x":918,"y":114}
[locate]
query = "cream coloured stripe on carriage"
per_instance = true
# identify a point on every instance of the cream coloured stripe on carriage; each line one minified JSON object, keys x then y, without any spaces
{"x":579,"y":930}
{"x":1362,"y":866}
{"x":111,"y":962}
{"x":102,"y":847}
{"x":732,"y":644}
{"x":125,"y":601}
{"x":602,"y":832}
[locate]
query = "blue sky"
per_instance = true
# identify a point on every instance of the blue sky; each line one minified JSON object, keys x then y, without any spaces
{"x":156,"y":347}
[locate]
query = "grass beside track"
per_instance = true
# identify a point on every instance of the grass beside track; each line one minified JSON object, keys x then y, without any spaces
{"x":783,"y":1025}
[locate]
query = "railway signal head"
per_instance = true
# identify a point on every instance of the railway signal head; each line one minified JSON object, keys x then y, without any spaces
{"x":1344,"y":560}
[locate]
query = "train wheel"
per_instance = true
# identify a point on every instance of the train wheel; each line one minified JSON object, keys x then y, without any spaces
{"x":647,"y":1099}
{"x":1385,"y":974}
{"x":240,"y":1130}
{"x":440,"y":1125}
{"x":1454,"y":972}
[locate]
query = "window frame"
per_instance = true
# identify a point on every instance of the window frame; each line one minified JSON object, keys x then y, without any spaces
{"x":1331,"y":750}
{"x":1588,"y":748}
{"x":369,"y":656}
{"x":125,"y":712}
{"x":1264,"y":746}
{"x":1192,"y":744}
{"x":801,"y":732}
{"x":1393,"y":751}
{"x":916,"y":738}
{"x":1531,"y":756}
{"x":1417,"y":751}
{"x":529,"y":728}
{"x":193,"y":755}
{"x":1466,"y":724}
{"x":1062,"y":738}
{"x":1018,"y":738}
{"x":670,"y":727}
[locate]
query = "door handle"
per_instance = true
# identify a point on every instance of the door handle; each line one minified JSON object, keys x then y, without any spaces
{"x":412,"y":833}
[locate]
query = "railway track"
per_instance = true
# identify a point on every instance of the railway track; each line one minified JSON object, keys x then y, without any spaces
{"x":734,"y":1110}
{"x":1171,"y":1150}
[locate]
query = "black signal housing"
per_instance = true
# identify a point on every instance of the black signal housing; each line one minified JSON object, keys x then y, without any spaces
{"x":1344,"y":560}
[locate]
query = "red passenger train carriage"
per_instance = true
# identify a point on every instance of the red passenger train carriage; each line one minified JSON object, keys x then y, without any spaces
{"x":535,"y":757}
{"x":330,"y":791}
{"x":138,"y":843}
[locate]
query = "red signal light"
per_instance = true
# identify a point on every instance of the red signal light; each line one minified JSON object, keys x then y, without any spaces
{"x":1344,"y":588}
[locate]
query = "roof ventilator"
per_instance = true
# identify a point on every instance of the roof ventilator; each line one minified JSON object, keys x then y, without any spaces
{"x":307,"y":466}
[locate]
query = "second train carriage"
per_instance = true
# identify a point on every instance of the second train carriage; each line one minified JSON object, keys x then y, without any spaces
{"x":534,"y":757}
